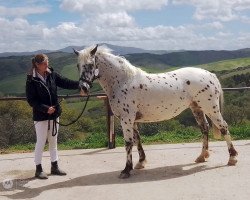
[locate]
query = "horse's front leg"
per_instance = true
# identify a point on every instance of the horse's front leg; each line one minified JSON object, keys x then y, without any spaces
{"x":128,"y":137}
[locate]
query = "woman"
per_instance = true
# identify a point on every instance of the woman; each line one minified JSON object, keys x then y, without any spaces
{"x":41,"y":92}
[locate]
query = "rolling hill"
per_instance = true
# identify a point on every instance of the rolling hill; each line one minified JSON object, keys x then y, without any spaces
{"x":14,"y":68}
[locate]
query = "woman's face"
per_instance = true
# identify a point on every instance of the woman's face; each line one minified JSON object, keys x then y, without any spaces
{"x":43,"y":66}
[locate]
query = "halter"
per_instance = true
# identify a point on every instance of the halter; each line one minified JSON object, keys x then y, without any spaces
{"x":96,"y":76}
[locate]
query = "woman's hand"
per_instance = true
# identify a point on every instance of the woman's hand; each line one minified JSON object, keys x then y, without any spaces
{"x":51,"y":110}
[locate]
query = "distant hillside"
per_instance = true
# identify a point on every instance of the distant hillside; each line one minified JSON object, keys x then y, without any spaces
{"x":14,"y":65}
{"x":14,"y":68}
{"x":186,"y":58}
{"x":117,"y":50}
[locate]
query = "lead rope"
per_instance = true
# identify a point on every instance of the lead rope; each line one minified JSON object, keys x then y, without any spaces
{"x":54,"y":127}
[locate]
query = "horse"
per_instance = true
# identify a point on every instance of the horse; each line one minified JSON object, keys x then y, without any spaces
{"x":136,"y":96}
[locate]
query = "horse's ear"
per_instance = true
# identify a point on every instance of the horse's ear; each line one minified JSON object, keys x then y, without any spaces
{"x":93,"y":51}
{"x":76,"y":52}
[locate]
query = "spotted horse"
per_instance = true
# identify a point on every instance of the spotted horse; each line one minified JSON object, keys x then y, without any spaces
{"x":136,"y":96}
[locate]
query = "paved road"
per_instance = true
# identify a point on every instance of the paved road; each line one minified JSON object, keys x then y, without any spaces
{"x":170,"y":174}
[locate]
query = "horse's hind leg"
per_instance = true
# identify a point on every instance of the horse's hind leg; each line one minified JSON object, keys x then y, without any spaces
{"x":137,"y":140}
{"x":219,"y":122}
{"x":204,"y":126}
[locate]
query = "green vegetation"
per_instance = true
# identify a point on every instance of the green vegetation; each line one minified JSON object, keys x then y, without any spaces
{"x":17,"y":129}
{"x":226,"y":64}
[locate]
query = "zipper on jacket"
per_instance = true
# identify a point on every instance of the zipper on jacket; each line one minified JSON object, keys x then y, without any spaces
{"x":47,"y":90}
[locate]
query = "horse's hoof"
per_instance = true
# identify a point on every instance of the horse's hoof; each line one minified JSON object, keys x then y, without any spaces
{"x":232,"y":161}
{"x":140,"y":165}
{"x":124,"y":175}
{"x":200,"y":159}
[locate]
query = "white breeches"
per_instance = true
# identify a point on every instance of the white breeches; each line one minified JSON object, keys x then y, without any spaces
{"x":42,"y":134}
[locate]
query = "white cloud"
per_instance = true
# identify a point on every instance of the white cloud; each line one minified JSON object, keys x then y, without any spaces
{"x":108,"y":6}
{"x":110,"y":21}
{"x":22,"y":11}
{"x":114,"y":19}
{"x":222,"y":10}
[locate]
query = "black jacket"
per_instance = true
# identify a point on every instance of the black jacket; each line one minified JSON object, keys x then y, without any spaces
{"x":41,"y":96}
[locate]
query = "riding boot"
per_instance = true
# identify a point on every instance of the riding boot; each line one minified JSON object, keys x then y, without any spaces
{"x":55,"y":170}
{"x":40,"y":173}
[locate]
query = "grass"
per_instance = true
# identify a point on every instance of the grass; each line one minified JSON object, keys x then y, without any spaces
{"x":17,"y":82}
{"x":226,"y":64}
{"x":13,"y":84}
{"x":238,"y":72}
{"x":99,"y":140}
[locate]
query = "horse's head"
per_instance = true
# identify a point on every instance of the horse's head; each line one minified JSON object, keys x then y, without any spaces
{"x":87,"y":68}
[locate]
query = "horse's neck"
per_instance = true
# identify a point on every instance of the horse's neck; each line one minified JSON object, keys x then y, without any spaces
{"x":112,"y":74}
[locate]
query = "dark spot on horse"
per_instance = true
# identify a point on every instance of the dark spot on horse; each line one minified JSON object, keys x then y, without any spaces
{"x":113,"y":96}
{"x":141,"y":86}
{"x":194,"y":104}
{"x":138,"y":115}
{"x":134,"y":102}
{"x":188,"y":82}
{"x":128,"y":130}
{"x":223,"y":131}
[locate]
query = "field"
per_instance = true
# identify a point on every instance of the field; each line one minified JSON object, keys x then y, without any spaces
{"x":90,"y":130}
{"x":16,"y":84}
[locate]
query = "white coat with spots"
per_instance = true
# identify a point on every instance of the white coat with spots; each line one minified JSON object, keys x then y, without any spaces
{"x":136,"y":96}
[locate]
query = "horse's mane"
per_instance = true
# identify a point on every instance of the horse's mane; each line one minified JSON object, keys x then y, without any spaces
{"x":116,"y":60}
{"x":124,"y":64}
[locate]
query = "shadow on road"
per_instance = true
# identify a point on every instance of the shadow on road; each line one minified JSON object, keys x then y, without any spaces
{"x":107,"y":178}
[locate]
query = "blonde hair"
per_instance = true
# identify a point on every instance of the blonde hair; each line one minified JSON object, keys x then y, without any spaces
{"x":37,"y":59}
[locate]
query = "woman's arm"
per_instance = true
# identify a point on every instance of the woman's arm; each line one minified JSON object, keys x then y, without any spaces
{"x":65,"y":82}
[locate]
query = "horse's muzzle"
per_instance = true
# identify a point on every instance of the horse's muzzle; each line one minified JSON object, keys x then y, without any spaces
{"x":83,"y":91}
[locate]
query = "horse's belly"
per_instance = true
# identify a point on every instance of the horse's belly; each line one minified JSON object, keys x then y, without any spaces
{"x":155,"y":115}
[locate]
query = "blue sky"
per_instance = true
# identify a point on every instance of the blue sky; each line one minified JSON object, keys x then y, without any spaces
{"x":28,"y":25}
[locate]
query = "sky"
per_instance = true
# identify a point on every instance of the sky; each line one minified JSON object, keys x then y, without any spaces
{"x":29,"y":25}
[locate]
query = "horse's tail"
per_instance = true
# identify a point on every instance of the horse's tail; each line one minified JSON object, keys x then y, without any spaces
{"x":216,"y":130}
{"x":221,"y":99}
